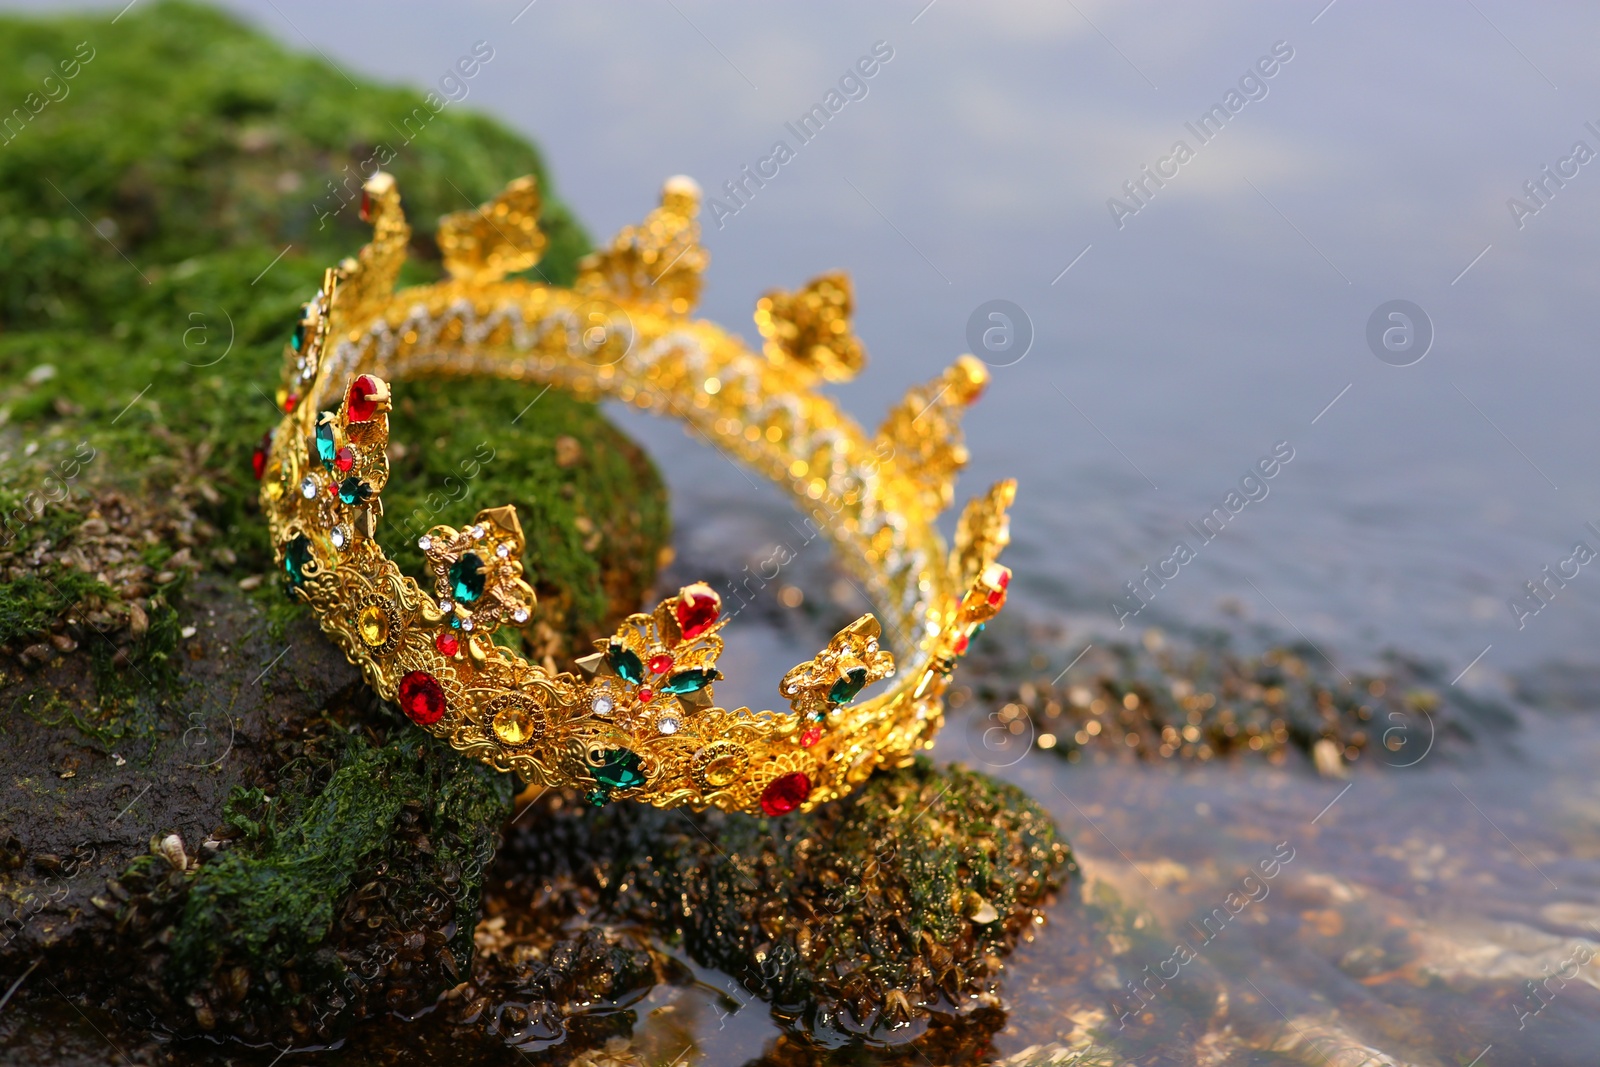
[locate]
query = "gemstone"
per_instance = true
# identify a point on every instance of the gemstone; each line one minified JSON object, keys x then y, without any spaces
{"x":625,"y":662}
{"x":354,"y":491}
{"x":325,"y":444}
{"x":424,"y":542}
{"x":849,"y":683}
{"x":258,"y":458}
{"x":667,"y":726}
{"x":289,"y":403}
{"x":697,"y":609}
{"x":447,"y":643}
{"x":602,"y":705}
{"x":421,"y":698}
{"x":619,"y":769}
{"x":466,"y":624}
{"x":691,"y":681}
{"x":646,"y":695}
{"x":466,"y":578}
{"x":477,"y":533}
{"x":308,"y":487}
{"x":344,"y":459}
{"x":297,"y":340}
{"x":961,"y":645}
{"x":997,"y":597}
{"x":296,"y":557}
{"x":373,"y":625}
{"x":340,"y":537}
{"x":597,"y":798}
{"x":784,"y":794}
{"x":503,"y":550}
{"x":362,"y":403}
{"x":513,"y":725}
{"x":519,"y":615}
{"x":446,"y":606}
{"x":811,"y":736}
{"x":366,"y":206}
{"x":660,"y":664}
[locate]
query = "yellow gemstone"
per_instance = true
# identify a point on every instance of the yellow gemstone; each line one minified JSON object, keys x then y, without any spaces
{"x":512,"y":725}
{"x":373,"y":625}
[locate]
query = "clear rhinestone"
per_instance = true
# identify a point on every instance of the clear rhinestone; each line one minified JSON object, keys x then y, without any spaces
{"x":519,"y":615}
{"x":340,"y":537}
{"x":446,"y":605}
{"x":872,"y":647}
{"x":667,"y":726}
{"x":477,"y":533}
{"x":503,"y":550}
{"x":424,"y":542}
{"x":308,"y":487}
{"x":602,"y":705}
{"x":466,"y":624}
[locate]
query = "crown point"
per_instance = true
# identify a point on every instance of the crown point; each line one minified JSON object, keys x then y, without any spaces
{"x":970,"y":378}
{"x":681,"y":185}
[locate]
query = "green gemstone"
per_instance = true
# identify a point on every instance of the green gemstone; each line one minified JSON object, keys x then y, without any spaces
{"x":690,"y":681}
{"x":326,"y":447}
{"x":296,"y":558}
{"x":626,"y":663}
{"x":849,"y":684}
{"x":466,"y":578}
{"x":298,"y":339}
{"x":597,"y":797}
{"x":619,"y":769}
{"x":354,"y":491}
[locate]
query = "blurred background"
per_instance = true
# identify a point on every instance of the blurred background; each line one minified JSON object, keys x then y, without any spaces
{"x":1173,"y":343}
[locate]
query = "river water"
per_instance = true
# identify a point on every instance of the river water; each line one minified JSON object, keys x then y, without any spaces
{"x":1177,"y":335}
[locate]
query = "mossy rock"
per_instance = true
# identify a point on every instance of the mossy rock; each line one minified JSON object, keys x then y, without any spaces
{"x":161,"y":220}
{"x":854,"y":921}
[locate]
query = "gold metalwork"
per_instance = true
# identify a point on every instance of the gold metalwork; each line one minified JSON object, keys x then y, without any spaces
{"x":641,"y":719}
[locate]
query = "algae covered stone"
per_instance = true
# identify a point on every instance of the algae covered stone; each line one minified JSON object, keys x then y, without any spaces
{"x":858,"y":917}
{"x":215,"y":828}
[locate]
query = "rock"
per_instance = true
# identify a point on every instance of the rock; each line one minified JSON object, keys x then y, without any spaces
{"x":209,"y":825}
{"x":854,"y":921}
{"x":1197,"y":698}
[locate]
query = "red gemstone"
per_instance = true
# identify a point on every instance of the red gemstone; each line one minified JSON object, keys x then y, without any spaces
{"x":660,"y":664}
{"x":697,"y":610}
{"x":1005,"y":578}
{"x":289,"y":402}
{"x":783,"y":795}
{"x":362,"y":403}
{"x":961,"y":645}
{"x":258,"y":458}
{"x":997,"y":597}
{"x":422,"y":698}
{"x":344,"y":459}
{"x":811,"y":736}
{"x":447,"y":643}
{"x":366,"y":206}
{"x":646,"y":695}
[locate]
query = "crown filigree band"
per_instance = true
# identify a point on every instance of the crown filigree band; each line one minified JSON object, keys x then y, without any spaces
{"x":640,"y":719}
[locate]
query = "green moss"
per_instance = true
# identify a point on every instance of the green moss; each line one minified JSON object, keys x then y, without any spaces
{"x":270,"y":901}
{"x":142,"y":218}
{"x":160,"y":226}
{"x":861,"y":916}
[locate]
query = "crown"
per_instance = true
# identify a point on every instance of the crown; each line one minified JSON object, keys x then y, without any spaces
{"x":638,"y":718}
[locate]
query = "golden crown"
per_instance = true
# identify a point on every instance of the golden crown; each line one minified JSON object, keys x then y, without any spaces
{"x":640,"y":721}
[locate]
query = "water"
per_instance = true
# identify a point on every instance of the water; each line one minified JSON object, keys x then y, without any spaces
{"x":1227,"y":314}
